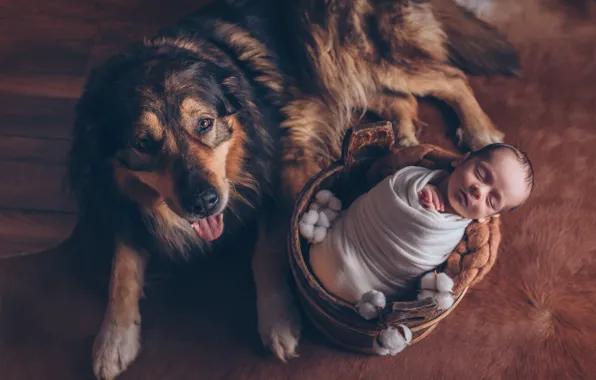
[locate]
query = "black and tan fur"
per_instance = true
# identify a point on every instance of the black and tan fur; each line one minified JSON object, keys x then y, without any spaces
{"x":279,"y":85}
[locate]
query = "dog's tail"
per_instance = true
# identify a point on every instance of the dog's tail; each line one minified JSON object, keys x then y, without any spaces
{"x":475,"y":46}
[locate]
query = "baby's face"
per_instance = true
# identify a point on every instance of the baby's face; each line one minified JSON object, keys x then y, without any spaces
{"x":483,"y":187}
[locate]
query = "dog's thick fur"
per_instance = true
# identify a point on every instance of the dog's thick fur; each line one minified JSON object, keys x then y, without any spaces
{"x":247,"y":100}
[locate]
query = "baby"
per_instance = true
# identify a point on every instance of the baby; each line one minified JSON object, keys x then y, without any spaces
{"x":409,"y":223}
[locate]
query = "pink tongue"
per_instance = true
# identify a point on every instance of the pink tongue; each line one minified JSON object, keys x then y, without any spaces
{"x":209,"y":228}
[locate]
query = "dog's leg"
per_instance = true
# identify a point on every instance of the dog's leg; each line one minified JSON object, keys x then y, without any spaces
{"x":118,"y":342}
{"x":450,"y":85}
{"x":402,"y":111}
{"x":278,"y":318}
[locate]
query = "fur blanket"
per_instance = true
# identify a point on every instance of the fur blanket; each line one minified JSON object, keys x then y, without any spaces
{"x":531,"y":317}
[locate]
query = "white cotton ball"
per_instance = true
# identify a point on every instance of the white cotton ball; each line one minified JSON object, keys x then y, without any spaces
{"x":335,"y":204}
{"x":306,"y":230}
{"x":428,"y":281}
{"x":444,"y":301}
{"x":315,"y":206}
{"x":367,"y":310}
{"x":393,"y":340}
{"x":319,"y":234}
{"x":330,"y":214}
{"x":426,"y":294}
{"x":378,"y":300}
{"x":373,"y":295}
{"x":379,"y":350}
{"x":444,"y":283}
{"x":407,"y":333}
{"x":323,"y":197}
{"x":311,"y":217}
{"x":323,"y":220}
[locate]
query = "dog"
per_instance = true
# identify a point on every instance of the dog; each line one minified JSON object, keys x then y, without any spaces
{"x":224,"y":116}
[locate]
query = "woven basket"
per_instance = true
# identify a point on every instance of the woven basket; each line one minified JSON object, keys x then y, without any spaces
{"x":338,"y":320}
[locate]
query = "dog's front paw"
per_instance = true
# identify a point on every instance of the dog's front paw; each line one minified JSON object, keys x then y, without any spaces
{"x":371,"y":303}
{"x":115,"y":347}
{"x":390,"y":341}
{"x":279,"y":324}
{"x":406,"y":141}
{"x":479,"y":139}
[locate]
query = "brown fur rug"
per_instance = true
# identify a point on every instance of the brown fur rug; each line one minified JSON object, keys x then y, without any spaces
{"x":530,"y":318}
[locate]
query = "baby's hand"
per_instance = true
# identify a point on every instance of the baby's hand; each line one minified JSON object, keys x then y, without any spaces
{"x":430,"y":198}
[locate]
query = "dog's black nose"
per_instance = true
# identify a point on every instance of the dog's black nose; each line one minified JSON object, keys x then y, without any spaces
{"x":206,"y":203}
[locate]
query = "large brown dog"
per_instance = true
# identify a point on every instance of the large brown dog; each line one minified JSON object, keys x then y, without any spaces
{"x":221,"y":119}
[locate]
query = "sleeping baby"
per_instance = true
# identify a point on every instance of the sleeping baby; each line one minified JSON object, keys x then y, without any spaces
{"x":407,"y":225}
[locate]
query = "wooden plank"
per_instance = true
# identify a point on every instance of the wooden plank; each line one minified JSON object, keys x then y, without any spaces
{"x":43,"y":46}
{"x":34,"y":116}
{"x":57,"y":9}
{"x":33,"y":186}
{"x":25,"y":149}
{"x":51,"y":86}
{"x":28,"y":232}
{"x":151,"y":11}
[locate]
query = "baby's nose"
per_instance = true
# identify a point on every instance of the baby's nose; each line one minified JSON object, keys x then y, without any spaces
{"x":476,"y":193}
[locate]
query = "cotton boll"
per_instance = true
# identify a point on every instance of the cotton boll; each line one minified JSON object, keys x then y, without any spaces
{"x":315,"y":206}
{"x":307,"y":231}
{"x":379,"y":300}
{"x":373,"y":297}
{"x":319,"y":234}
{"x":311,"y":217}
{"x":428,"y":281}
{"x":444,"y":301}
{"x":407,"y":333}
{"x":444,"y":283}
{"x":426,"y":294}
{"x":379,"y":350}
{"x":323,"y":220}
{"x":367,"y":310}
{"x":330,"y":214}
{"x":323,"y":197}
{"x":391,"y":338}
{"x":335,"y":204}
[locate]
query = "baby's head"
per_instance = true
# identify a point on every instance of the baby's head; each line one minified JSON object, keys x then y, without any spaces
{"x":491,"y":180}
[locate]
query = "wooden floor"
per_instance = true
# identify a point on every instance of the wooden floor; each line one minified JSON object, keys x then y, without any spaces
{"x":46,"y":51}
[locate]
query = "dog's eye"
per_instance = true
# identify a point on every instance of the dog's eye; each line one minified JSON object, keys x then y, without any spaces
{"x":146,"y":145}
{"x":204,"y":125}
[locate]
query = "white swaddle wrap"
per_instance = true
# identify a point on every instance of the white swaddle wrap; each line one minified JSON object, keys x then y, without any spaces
{"x":386,"y":238}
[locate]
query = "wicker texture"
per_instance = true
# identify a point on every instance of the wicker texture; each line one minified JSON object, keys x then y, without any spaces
{"x":369,"y":156}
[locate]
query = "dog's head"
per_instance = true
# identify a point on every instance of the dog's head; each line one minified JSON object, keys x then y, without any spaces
{"x":165,"y":121}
